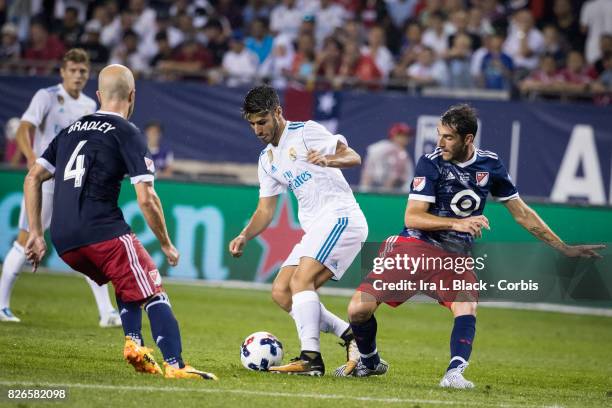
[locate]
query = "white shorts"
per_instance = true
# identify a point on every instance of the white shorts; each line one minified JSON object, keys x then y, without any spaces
{"x":47,"y":210}
{"x":333,"y":241}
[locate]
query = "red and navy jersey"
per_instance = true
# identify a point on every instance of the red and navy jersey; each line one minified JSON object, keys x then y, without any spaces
{"x":458,"y":190}
{"x":89,"y":159}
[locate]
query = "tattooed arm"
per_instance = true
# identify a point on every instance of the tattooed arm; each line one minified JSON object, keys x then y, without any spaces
{"x":531,"y":221}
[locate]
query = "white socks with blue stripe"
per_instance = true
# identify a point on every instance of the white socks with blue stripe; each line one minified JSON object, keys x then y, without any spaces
{"x":306,"y":312}
{"x":330,"y":323}
{"x":15,"y":258}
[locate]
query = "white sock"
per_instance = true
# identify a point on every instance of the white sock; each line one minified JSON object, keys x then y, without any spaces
{"x":102,"y":299}
{"x":330,"y":323}
{"x":15,"y":258}
{"x":306,"y":311}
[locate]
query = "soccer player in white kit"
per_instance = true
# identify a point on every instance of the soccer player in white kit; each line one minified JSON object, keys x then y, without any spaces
{"x":51,"y":110}
{"x":305,"y":158}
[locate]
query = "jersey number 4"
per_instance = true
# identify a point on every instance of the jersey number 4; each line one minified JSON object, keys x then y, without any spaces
{"x":78,"y":171}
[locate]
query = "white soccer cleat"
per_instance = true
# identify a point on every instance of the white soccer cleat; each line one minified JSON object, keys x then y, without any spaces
{"x":454,"y":378}
{"x":6,"y":315}
{"x":112,"y":319}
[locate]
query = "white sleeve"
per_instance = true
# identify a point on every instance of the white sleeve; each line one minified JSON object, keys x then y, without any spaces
{"x":38,"y":109}
{"x":268,"y":186}
{"x":317,"y":137}
{"x":585,"y":14}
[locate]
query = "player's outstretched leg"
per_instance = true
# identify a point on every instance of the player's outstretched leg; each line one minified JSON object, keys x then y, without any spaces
{"x":109,"y":317}
{"x":306,"y":311}
{"x":13,"y":262}
{"x":166,"y":334}
{"x":363,"y":323}
{"x":461,"y":341}
{"x":329,"y":322}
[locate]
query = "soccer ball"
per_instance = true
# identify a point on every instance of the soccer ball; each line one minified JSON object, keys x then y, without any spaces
{"x":260,"y":351}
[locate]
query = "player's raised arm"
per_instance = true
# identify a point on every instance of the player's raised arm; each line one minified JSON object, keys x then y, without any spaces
{"x":531,"y":221}
{"x":35,"y":247}
{"x":259,"y":221}
{"x":343,"y":158}
{"x":151,"y":207}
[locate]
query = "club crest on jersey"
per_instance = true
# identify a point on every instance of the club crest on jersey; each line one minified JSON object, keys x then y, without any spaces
{"x":292,"y":153}
{"x":155,"y":277}
{"x":150,"y":164}
{"x":482,"y":178}
{"x":418,"y":183}
{"x":270,"y":156}
{"x":60,"y":99}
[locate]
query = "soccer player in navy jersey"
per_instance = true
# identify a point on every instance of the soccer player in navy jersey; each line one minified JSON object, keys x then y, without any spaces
{"x":443,"y":217}
{"x":88,"y":160}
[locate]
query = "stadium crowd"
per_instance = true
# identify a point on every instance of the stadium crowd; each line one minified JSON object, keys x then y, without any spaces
{"x":537,"y":47}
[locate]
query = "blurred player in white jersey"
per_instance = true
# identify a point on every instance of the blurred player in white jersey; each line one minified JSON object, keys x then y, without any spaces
{"x":305,"y":158}
{"x":51,"y":110}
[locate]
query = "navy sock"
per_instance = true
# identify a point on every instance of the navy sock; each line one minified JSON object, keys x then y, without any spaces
{"x":131,"y":319}
{"x":365,"y":337}
{"x":461,"y":341}
{"x":165,"y":329}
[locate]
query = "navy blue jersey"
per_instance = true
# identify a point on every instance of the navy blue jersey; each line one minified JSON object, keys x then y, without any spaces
{"x":89,"y":159}
{"x":457,"y":190}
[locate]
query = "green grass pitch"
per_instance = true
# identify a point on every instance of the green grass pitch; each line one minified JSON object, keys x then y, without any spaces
{"x":520,"y":358}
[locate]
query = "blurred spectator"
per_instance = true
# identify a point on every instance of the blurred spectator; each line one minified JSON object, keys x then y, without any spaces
{"x":278,"y":64}
{"x":574,"y":77}
{"x":545,"y":78}
{"x":400,"y":11}
{"x":459,"y":21}
{"x":3,"y":12}
{"x":595,"y":19}
{"x":450,"y":7}
{"x":161,"y":154}
{"x":426,"y":9}
{"x":379,"y":52}
{"x":410,"y":49}
{"x":328,"y":62}
{"x":184,"y":23}
{"x":216,"y":41}
{"x":428,"y":70}
{"x":126,"y":53}
{"x":349,"y":62}
{"x":459,"y":60}
{"x":478,"y":57}
{"x":477,"y":23}
{"x":435,"y":37}
{"x":524,"y":43}
{"x":302,"y":66}
{"x":98,"y":53}
{"x":372,"y":13}
{"x":604,"y":82}
{"x":12,"y":153}
{"x":230,"y":11}
{"x":387,"y":163}
{"x":189,"y":60}
{"x":256,"y":9}
{"x":164,"y":50}
{"x":43,"y":46}
{"x":565,"y":19}
{"x":260,"y":41}
{"x":497,"y":66}
{"x":286,"y":18}
{"x":10,"y":49}
{"x":163,"y":23}
{"x":605,"y":48}
{"x":239,"y":63}
{"x":113,"y":31}
{"x":362,"y":66}
{"x":328,"y":17}
{"x":70,"y":30}
{"x":553,"y":44}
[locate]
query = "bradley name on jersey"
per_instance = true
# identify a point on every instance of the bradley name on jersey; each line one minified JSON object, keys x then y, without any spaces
{"x":457,"y":190}
{"x":101,"y":126}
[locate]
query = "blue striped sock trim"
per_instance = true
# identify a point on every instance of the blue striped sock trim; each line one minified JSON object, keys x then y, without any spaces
{"x":329,"y":238}
{"x":337,"y":237}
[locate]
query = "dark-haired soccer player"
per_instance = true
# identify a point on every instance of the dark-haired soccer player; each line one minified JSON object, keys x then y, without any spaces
{"x":305,"y":158}
{"x":89,"y":160}
{"x":51,"y":110}
{"x":443,"y":217}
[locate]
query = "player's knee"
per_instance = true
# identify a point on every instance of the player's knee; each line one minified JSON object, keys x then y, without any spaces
{"x":358,"y":311}
{"x":464,"y":308}
{"x":281,"y":296}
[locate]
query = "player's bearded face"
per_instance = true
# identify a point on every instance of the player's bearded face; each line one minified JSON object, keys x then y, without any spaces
{"x":265,"y":126}
{"x":454,"y":147}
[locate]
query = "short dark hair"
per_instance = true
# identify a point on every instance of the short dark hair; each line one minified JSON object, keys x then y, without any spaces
{"x":261,"y":99}
{"x":462,"y":119}
{"x":76,"y":55}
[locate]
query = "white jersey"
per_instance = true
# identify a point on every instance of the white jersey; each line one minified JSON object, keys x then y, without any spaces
{"x":51,"y":110}
{"x":320,"y":191}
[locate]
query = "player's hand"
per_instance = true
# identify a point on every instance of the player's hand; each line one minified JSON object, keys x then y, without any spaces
{"x":472,"y":225}
{"x":582,"y":251}
{"x":172,"y":255}
{"x":35,"y":250}
{"x":316,"y":158}
{"x":236,"y":246}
